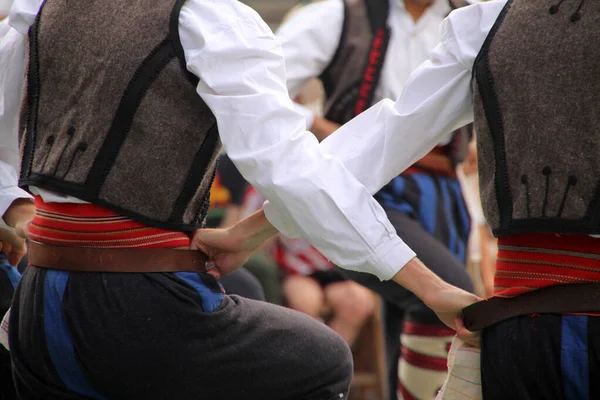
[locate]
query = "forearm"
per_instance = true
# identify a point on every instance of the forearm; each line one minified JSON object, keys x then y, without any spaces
{"x":255,"y":230}
{"x":420,"y":280}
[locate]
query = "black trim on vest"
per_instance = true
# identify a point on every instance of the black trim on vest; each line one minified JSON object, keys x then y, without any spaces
{"x":143,"y":77}
{"x":196,"y":173}
{"x":456,"y":4}
{"x":507,"y":225}
{"x":378,"y":16}
{"x":33,"y":95}
{"x":176,"y":41}
{"x":326,"y":77}
{"x":377,"y":13}
{"x":593,"y":212}
{"x":485,"y":84}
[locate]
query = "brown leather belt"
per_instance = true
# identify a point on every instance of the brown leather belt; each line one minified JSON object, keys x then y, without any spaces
{"x":575,"y":298}
{"x":92,"y":259}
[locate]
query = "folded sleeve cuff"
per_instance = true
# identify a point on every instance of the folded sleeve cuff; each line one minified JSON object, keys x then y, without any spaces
{"x":390,"y":258}
{"x":280,"y":221}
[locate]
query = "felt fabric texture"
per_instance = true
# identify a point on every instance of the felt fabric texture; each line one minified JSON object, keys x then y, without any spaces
{"x":118,"y":81}
{"x":343,"y":76}
{"x":536,"y":118}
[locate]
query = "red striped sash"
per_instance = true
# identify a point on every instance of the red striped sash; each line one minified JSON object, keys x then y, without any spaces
{"x":531,"y":261}
{"x":89,"y":225}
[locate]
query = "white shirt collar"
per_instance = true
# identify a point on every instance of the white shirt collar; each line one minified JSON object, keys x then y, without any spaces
{"x":440,"y":7}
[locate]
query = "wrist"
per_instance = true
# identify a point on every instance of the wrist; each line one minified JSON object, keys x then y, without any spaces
{"x":421,"y":281}
{"x":253,"y":231}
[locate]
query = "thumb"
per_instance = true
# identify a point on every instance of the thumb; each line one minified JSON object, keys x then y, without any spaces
{"x":22,"y":229}
{"x":197,"y":243}
{"x":471,"y":338}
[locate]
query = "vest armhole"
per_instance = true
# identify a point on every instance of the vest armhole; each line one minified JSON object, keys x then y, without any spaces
{"x":176,"y":41}
{"x":197,"y":173}
{"x":487,"y":92}
{"x":488,"y":40}
{"x":378,"y":12}
{"x":325,"y":77}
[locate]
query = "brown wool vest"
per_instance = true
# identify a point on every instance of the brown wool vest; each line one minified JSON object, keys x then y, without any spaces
{"x":111,"y":114}
{"x":353,"y":74}
{"x":535,"y":93}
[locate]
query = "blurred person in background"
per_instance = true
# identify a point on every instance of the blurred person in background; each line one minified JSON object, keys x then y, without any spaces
{"x":313,"y":286}
{"x":258,"y":279}
{"x":224,"y":210}
{"x":125,"y":143}
{"x":525,"y":72}
{"x":364,"y":51}
{"x":482,"y":244}
{"x":9,"y":275}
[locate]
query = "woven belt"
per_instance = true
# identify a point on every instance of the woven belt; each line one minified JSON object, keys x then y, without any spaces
{"x":559,"y":299}
{"x":93,"y":259}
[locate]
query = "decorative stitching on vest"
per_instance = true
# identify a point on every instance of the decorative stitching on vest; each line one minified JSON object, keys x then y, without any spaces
{"x":70,"y":133}
{"x":50,"y":142}
{"x":572,"y":181}
{"x":525,"y":182}
{"x":196,"y":173}
{"x":576,"y":16}
{"x":546,"y":172}
{"x":485,"y":84}
{"x":81,"y":147}
{"x":358,"y":97}
{"x":143,"y":77}
{"x":372,"y":72}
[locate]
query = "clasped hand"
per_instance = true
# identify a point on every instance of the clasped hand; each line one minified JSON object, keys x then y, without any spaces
{"x":226,"y":250}
{"x":12,"y":242}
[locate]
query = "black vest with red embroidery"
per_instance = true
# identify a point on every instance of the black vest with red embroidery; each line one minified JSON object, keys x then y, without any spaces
{"x":352,"y":77}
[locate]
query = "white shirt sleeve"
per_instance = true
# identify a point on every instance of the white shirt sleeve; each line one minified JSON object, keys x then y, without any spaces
{"x":383,"y":141}
{"x":242,"y":79}
{"x":12,"y":71}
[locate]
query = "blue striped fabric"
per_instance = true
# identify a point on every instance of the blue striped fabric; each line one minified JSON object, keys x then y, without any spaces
{"x":210,"y":299}
{"x":13,"y":274}
{"x":432,"y":199}
{"x":452,"y":234}
{"x":388,"y":200}
{"x":574,"y":357}
{"x":58,"y":337}
{"x":428,"y":201}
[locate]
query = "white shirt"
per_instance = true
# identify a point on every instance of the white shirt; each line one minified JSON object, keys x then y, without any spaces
{"x":310,"y":38}
{"x":384,"y":140}
{"x":5,"y":8}
{"x":242,"y":79}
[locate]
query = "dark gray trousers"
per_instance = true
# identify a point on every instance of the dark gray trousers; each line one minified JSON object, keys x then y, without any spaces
{"x":400,"y":302}
{"x":149,"y":336}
